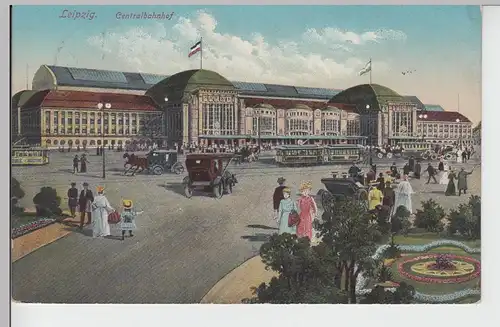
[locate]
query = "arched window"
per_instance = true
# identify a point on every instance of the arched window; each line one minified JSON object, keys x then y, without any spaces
{"x":55,"y":142}
{"x":92,"y":142}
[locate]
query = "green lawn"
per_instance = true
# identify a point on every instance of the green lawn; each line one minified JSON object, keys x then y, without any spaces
{"x":424,"y":238}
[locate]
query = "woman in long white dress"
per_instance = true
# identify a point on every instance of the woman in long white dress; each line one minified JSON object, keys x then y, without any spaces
{"x":100,"y":210}
{"x":444,"y":175}
{"x":459,"y":156}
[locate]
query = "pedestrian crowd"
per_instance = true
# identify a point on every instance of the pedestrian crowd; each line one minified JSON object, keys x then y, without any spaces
{"x":99,"y":211}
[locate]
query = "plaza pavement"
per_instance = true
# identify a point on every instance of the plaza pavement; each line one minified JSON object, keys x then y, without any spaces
{"x":183,"y":246}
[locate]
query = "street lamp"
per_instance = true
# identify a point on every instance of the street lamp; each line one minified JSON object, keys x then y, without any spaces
{"x":422,"y":116}
{"x":103,"y":106}
{"x":370,"y":133}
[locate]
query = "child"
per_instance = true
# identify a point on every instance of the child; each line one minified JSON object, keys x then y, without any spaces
{"x":127,"y":222}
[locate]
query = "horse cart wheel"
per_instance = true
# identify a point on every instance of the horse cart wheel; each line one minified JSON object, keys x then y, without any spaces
{"x":389,"y":155}
{"x":434,"y":156}
{"x":178,"y":168}
{"x":218,"y":190}
{"x":327,"y":201}
{"x":425,"y":156}
{"x":380,"y":155}
{"x":188,"y":191}
{"x":157,"y":170}
{"x":448,"y":156}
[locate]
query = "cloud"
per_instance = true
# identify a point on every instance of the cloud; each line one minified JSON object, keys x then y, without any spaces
{"x":163,"y":50}
{"x":334,"y":35}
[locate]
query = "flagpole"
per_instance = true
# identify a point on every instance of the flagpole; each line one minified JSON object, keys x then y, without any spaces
{"x":371,"y":68}
{"x":201,"y":53}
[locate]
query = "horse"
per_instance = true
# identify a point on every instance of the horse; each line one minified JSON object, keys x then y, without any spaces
{"x":134,"y":161}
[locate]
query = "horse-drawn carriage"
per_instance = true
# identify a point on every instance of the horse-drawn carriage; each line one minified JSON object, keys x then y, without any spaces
{"x":208,"y":172}
{"x":338,"y":189}
{"x":247,"y":154}
{"x":155,"y":162}
{"x":388,"y":152}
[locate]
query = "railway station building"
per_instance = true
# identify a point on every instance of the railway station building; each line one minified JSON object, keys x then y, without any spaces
{"x":203,"y":107}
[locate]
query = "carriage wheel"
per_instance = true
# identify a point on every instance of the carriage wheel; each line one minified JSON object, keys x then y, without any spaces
{"x":448,"y":156}
{"x":425,"y":156}
{"x":389,"y":155}
{"x":218,"y":190}
{"x":188,"y":191}
{"x":363,"y":198}
{"x":157,"y":170}
{"x":380,"y":155}
{"x":327,"y":201}
{"x":178,"y":168}
{"x":434,"y":156}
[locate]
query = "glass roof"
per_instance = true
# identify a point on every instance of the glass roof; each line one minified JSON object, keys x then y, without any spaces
{"x":152,"y":78}
{"x":97,"y":75}
{"x":433,"y":107}
{"x":316,"y":91}
{"x":281,"y":89}
{"x":258,"y":87}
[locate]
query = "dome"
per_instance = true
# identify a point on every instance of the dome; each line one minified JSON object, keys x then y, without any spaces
{"x":176,"y":85}
{"x":374,"y":95}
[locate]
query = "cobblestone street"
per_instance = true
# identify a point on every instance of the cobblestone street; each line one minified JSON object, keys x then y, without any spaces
{"x":182,"y":246}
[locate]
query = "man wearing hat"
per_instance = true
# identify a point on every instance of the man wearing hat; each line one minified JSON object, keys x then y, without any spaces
{"x":85,"y":202}
{"x":73,"y":199}
{"x":278,"y":194}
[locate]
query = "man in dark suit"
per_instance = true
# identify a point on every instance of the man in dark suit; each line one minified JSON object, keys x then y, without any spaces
{"x":278,"y":194}
{"x":85,"y":202}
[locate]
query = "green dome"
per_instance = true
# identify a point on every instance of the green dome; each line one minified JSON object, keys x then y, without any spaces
{"x":374,"y":95}
{"x":176,"y":85}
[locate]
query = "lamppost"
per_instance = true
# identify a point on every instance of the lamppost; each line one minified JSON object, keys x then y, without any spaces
{"x":257,"y":116}
{"x":102,"y":106}
{"x":370,"y":123}
{"x":423,"y":116}
{"x":460,"y":134}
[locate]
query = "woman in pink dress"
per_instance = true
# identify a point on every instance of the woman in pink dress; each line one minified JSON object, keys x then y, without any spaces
{"x":307,"y":211}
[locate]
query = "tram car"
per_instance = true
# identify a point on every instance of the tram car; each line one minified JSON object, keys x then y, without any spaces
{"x":311,"y":155}
{"x":29,"y":156}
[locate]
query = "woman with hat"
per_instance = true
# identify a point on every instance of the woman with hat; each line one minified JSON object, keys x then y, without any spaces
{"x":375,"y":197}
{"x":73,"y":199}
{"x":307,"y":210}
{"x":127,"y":221}
{"x":100,"y":210}
{"x":286,"y":207}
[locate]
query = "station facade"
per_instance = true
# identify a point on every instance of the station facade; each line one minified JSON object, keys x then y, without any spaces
{"x":203,"y":107}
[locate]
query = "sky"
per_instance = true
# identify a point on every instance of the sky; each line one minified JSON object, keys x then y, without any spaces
{"x":316,"y":46}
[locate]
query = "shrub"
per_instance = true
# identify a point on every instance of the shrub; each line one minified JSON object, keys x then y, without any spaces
{"x":430,"y":216}
{"x":47,"y":202}
{"x":400,"y":221}
{"x":383,"y":273}
{"x":466,"y":219}
{"x":16,"y":193}
{"x":403,"y":294}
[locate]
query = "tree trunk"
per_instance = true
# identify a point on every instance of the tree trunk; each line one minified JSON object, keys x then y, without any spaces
{"x":352,"y":291}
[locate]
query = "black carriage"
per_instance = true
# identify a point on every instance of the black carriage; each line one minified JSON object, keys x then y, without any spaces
{"x":160,"y":161}
{"x":342,"y":188}
{"x":208,"y":172}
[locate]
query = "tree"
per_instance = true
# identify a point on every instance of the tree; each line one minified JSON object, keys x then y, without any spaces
{"x":466,"y":220}
{"x":306,"y":274}
{"x":350,"y":234}
{"x":16,"y":193}
{"x":47,"y":202}
{"x":430,"y":216}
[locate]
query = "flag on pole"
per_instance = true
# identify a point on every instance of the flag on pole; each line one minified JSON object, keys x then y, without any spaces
{"x":366,"y":69}
{"x":194,"y":49}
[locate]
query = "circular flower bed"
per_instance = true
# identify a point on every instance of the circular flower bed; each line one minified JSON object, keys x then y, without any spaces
{"x":27,"y":228}
{"x":434,"y":268}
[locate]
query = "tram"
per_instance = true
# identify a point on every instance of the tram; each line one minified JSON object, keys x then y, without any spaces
{"x":309,"y":155}
{"x":29,"y":156}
